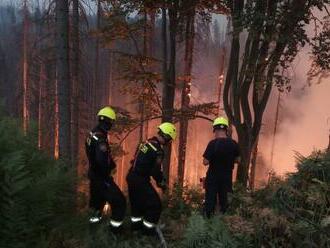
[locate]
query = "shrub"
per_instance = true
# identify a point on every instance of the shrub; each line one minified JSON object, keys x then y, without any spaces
{"x":36,"y":193}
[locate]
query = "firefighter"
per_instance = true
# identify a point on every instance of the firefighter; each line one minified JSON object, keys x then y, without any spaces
{"x":144,"y":199}
{"x":220,"y":155}
{"x":102,"y":167}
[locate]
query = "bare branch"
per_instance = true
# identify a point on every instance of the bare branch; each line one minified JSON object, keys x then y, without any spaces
{"x":155,"y":118}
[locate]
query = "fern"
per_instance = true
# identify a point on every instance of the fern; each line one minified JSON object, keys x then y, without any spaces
{"x":36,"y":193}
{"x":12,"y":209}
{"x":196,"y":232}
{"x":207,"y":233}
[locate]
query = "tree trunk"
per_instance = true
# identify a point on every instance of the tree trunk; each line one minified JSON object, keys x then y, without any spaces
{"x":75,"y":80}
{"x":167,"y":158}
{"x":169,"y":78}
{"x":221,"y":77}
{"x":56,"y":124}
{"x":145,"y":54}
{"x":150,"y":52}
{"x":254,"y":165}
{"x":41,"y":104}
{"x":95,"y":84}
{"x":63,"y":77}
{"x":25,"y":69}
{"x":246,"y":152}
{"x":185,"y":95}
{"x":4,"y":87}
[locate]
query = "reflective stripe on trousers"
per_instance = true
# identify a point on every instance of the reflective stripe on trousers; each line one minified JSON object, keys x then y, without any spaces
{"x":148,"y":224}
{"x":115,"y":223}
{"x":136,"y":219}
{"x":95,"y":219}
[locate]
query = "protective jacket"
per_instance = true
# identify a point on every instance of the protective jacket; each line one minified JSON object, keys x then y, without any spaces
{"x":148,"y":160}
{"x":144,"y":199}
{"x":101,"y":163}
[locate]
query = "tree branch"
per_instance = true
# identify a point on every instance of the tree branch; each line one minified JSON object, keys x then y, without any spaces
{"x":154,"y":118}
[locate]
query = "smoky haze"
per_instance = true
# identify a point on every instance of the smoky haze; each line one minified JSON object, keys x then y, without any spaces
{"x":303,"y":120}
{"x":304,"y":114}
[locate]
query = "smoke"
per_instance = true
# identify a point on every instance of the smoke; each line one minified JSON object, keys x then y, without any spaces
{"x":302,"y":125}
{"x":303,"y":119}
{"x":306,"y":132}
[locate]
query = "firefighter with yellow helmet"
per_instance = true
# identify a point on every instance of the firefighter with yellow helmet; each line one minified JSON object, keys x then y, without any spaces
{"x":103,"y":189}
{"x":144,"y":199}
{"x":220,"y":155}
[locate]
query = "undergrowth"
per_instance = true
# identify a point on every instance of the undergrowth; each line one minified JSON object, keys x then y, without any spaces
{"x":38,"y":207}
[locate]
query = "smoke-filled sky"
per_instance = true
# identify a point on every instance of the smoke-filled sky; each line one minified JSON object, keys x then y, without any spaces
{"x":304,"y":118}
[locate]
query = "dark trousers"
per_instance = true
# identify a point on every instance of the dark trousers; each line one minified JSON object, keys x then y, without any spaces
{"x":216,"y":189}
{"x":144,"y":199}
{"x":101,"y":192}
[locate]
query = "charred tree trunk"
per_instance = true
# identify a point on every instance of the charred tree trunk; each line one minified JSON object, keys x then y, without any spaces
{"x":254,"y":165}
{"x":262,"y":59}
{"x":56,"y":123}
{"x":41,"y":106}
{"x":221,"y":77}
{"x":166,"y":161}
{"x":150,"y":51}
{"x":4,"y":89}
{"x":186,"y":93}
{"x":169,"y":75}
{"x":145,"y":54}
{"x":63,"y":77}
{"x":94,"y":91}
{"x":75,"y":81}
{"x":25,"y":69}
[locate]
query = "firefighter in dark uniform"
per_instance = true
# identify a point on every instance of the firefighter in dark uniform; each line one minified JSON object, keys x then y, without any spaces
{"x":102,"y":167}
{"x":144,"y":199}
{"x":221,"y":154}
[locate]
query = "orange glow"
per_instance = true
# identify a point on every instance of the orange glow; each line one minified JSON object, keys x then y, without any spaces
{"x":25,"y":73}
{"x":56,"y":131}
{"x":25,"y":98}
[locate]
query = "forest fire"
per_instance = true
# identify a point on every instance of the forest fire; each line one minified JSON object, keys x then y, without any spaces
{"x":197,"y":122}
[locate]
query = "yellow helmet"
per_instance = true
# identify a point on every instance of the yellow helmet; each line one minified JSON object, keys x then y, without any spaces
{"x":107,"y":112}
{"x":168,"y":129}
{"x":221,"y":121}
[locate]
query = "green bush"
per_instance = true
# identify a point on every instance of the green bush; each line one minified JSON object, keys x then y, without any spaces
{"x":201,"y":232}
{"x":37,"y":196}
{"x":182,"y":201}
{"x":305,"y":200}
